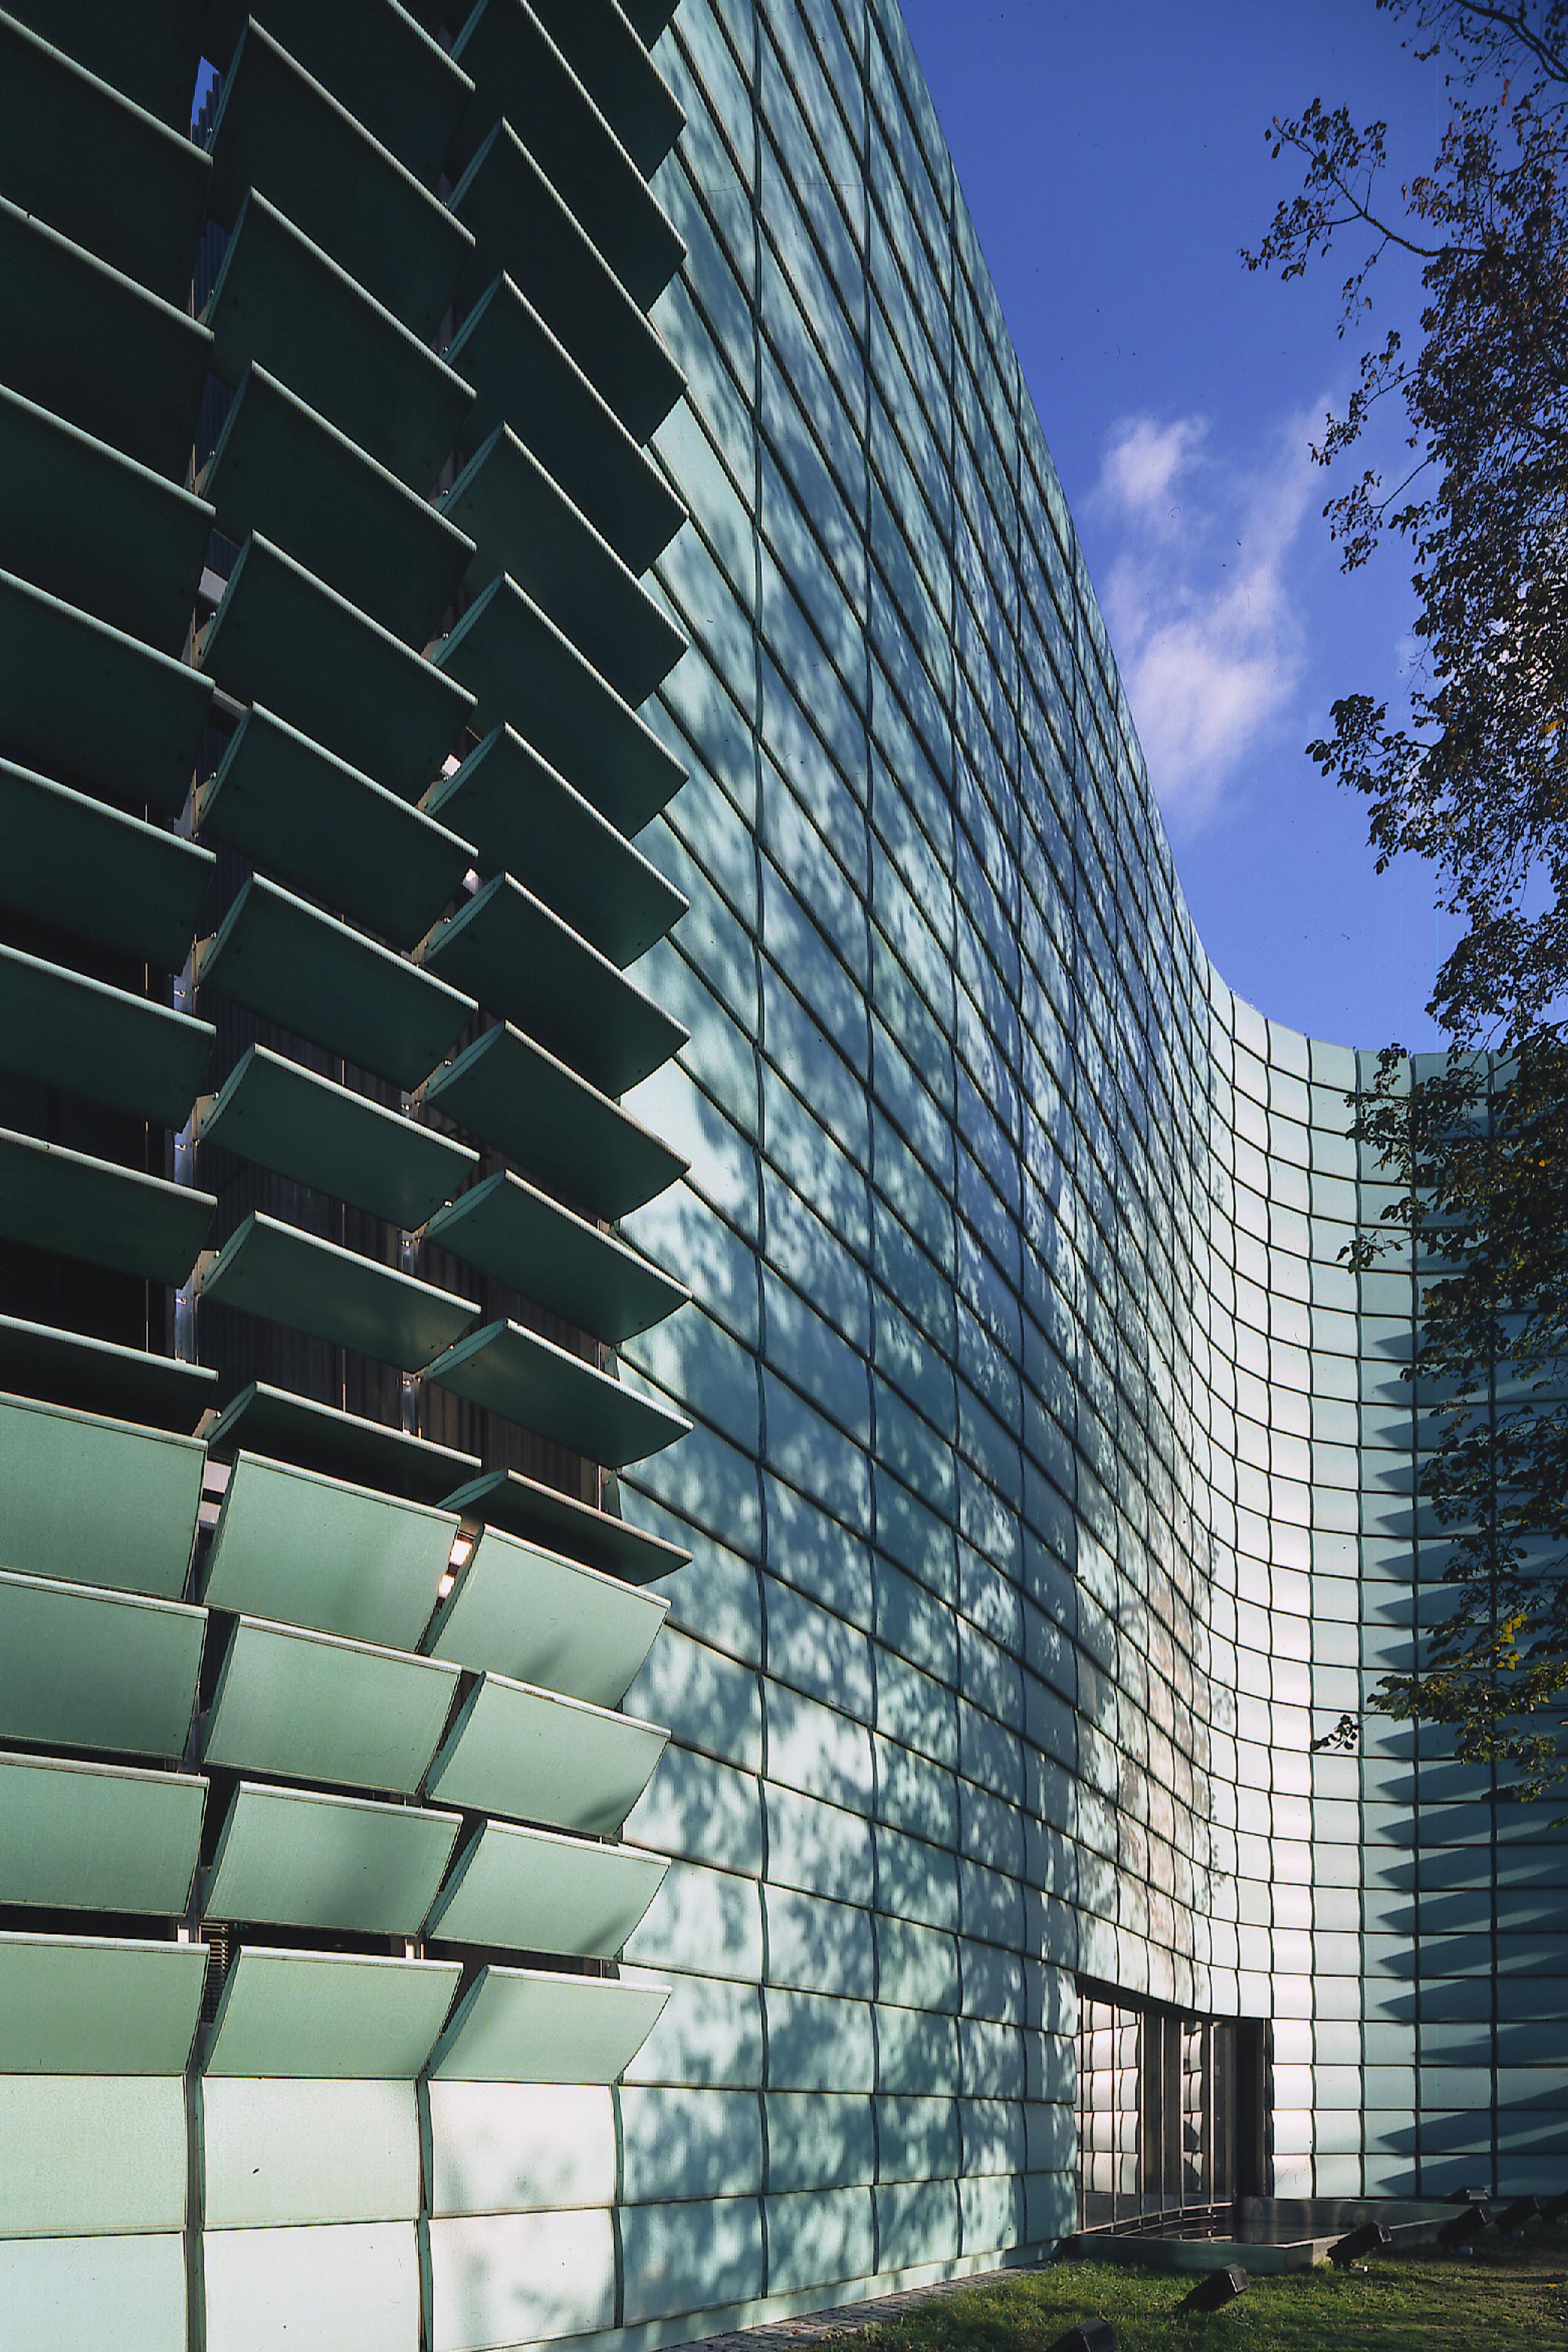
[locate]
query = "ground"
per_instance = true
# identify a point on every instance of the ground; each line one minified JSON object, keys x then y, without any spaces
{"x":1505,"y":2298}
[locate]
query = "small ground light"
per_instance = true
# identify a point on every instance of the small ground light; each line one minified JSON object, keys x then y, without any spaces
{"x":1094,"y":2335}
{"x":1216,"y":2289}
{"x":1462,"y":2231}
{"x":1370,"y":2239}
{"x":1554,"y":2209}
{"x":1513,"y":2217}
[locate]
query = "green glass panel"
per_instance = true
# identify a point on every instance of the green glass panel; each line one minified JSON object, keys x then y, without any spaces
{"x":100,"y":1376}
{"x":326,"y":982}
{"x":345,"y":518}
{"x":95,"y":871}
{"x":506,"y":1499}
{"x":307,"y":1551}
{"x":333,"y":2015}
{"x":527,"y":820}
{"x":287,"y":804}
{"x":79,"y":183}
{"x":517,"y":71}
{"x":280,"y":300}
{"x":124,"y":2294}
{"x":63,"y":1029}
{"x":511,"y":1093}
{"x":79,"y":2157}
{"x":522,"y":226}
{"x":78,"y":695}
{"x":150,"y":54}
{"x":526,"y":378}
{"x":95,"y":1501}
{"x":97,"y":529}
{"x":374,"y":56}
{"x":142,"y":393}
{"x":278,"y":128}
{"x":504,"y":947}
{"x":288,"y":2154}
{"x":291,"y":1277}
{"x":58,"y":1200}
{"x":520,"y":523}
{"x":282,"y":637}
{"x":355,"y":2288}
{"x":526,"y":1379}
{"x":321,"y":1437}
{"x":83,"y":1668}
{"x":530,"y":2025}
{"x":307,"y":1707}
{"x":534,"y":1891}
{"x":276,"y":1114}
{"x":313,"y":1861}
{"x":97,"y":1837}
{"x":532,"y":1244}
{"x":537,"y":1756}
{"x":96,"y":2005}
{"x":536,"y":1618}
{"x":614,"y":64}
{"x":524,"y":673}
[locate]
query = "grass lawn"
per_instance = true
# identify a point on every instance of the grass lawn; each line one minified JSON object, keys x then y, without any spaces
{"x":1505,"y":2298}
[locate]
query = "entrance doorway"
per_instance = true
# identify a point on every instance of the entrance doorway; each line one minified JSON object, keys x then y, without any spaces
{"x":1170,"y":2113}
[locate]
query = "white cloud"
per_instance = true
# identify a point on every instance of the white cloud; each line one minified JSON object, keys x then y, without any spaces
{"x":1199,"y":596}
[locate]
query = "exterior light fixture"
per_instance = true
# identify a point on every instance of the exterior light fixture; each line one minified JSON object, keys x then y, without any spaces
{"x":1218,"y":2288}
{"x":1512,"y":2218}
{"x":1555,"y":2208}
{"x":1370,"y":2239}
{"x":1457,"y":2235}
{"x":1094,"y":2335}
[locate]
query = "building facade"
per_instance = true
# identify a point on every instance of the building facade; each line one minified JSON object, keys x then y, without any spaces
{"x":688,"y":1460}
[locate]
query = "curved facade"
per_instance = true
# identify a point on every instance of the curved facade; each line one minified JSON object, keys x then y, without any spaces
{"x":1046,"y":1484}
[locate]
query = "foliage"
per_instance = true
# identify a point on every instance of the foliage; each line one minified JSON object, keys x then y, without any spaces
{"x":1480,"y":1155}
{"x":1474,"y":775}
{"x":1471,"y":775}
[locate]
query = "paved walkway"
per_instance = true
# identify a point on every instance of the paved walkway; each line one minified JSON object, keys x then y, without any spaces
{"x":788,"y":2335}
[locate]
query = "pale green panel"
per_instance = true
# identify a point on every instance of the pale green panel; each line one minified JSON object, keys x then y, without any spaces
{"x":280,"y":2152}
{"x":314,"y":1551}
{"x":330,"y":2015}
{"x":96,"y":1501}
{"x":526,"y":2025}
{"x":497,"y":2147}
{"x":691,"y":2257}
{"x":97,"y":1837}
{"x":678,"y":2142}
{"x":87,"y":2005}
{"x":530,"y":1891}
{"x":543,"y":1758}
{"x":519,"y":2278}
{"x":312,"y":1860}
{"x":93,"y":2295}
{"x":536,"y":1618}
{"x":80,"y":1668}
{"x":80,"y":2152}
{"x":309,"y":1708}
{"x":350,"y":2288}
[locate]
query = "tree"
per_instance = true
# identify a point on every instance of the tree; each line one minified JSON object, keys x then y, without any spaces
{"x":1472,"y":775}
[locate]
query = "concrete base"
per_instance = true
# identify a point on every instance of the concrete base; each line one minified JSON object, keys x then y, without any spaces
{"x":1271,"y":2234}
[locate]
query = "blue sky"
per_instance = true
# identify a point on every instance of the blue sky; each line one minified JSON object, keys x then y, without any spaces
{"x":1112,"y":154}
